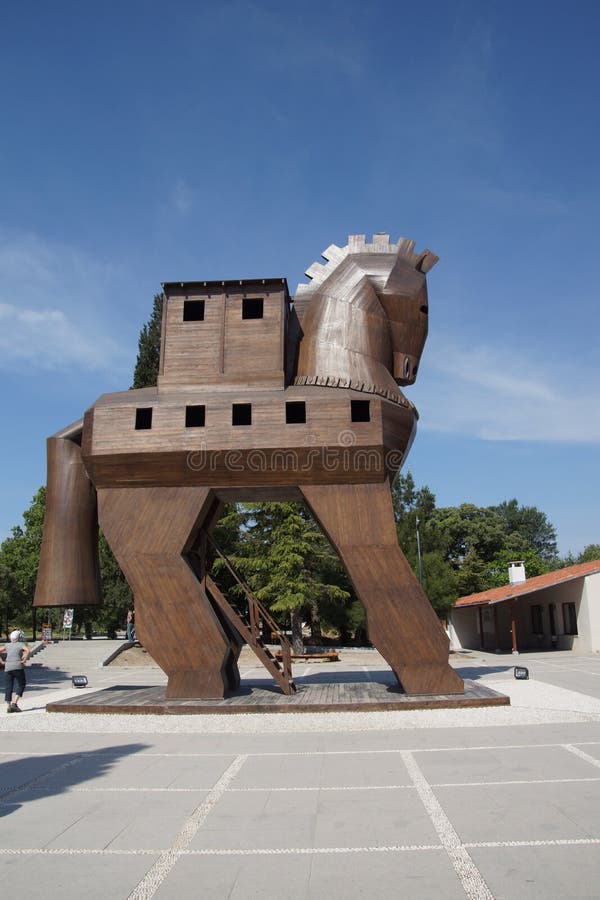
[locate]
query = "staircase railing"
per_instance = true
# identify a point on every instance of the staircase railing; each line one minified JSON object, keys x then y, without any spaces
{"x":257,"y":614}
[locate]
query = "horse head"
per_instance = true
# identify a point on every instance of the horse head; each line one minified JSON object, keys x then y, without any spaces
{"x":364,"y":315}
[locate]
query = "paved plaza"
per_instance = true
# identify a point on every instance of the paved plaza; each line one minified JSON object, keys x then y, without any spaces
{"x":501,"y":802}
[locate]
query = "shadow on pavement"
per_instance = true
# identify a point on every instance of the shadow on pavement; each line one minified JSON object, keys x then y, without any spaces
{"x":56,"y":773}
{"x":475,"y":672}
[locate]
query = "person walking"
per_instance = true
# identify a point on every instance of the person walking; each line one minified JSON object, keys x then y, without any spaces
{"x":130,"y":625}
{"x":17,"y":654}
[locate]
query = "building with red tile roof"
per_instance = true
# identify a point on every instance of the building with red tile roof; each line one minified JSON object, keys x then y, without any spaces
{"x":558,"y":610}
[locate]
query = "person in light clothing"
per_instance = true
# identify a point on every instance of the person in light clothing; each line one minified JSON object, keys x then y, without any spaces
{"x":17,"y":654}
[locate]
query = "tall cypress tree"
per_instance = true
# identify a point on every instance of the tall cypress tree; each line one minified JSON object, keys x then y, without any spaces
{"x":145,"y":373}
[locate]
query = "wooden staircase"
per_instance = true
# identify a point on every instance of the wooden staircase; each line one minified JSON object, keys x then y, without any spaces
{"x":250,"y":627}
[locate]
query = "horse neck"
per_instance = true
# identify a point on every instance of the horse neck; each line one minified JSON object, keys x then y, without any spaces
{"x":346,"y":335}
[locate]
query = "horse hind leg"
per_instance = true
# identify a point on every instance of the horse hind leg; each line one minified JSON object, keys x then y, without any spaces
{"x":358,"y":519}
{"x":151,"y":531}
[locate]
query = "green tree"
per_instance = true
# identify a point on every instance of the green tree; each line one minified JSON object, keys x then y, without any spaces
{"x":496,"y":572}
{"x":469,"y":530}
{"x":146,"y":369}
{"x":471,"y":574}
{"x":19,"y":560}
{"x":284,"y":558}
{"x":440,"y":582}
{"x":531,"y":525}
{"x":412,"y":504}
{"x":589,"y":554}
{"x":116,"y":593}
{"x":414,"y":510}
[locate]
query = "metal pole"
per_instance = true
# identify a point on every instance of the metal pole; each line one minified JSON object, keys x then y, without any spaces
{"x":419,"y":551}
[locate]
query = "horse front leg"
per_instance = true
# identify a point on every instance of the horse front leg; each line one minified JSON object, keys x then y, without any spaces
{"x":358,"y":519}
{"x":151,"y":531}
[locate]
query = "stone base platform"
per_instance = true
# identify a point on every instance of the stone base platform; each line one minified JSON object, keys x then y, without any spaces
{"x":264,"y":697}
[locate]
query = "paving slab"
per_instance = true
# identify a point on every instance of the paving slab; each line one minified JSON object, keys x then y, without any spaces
{"x":529,"y":812}
{"x":553,"y":872}
{"x":67,"y":875}
{"x":518,"y":765}
{"x":426,"y":874}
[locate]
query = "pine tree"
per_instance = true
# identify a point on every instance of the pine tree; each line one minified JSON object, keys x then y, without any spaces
{"x":145,"y":373}
{"x":287,"y":561}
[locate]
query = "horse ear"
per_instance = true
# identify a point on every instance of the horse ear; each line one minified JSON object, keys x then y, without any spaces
{"x":426,"y":261}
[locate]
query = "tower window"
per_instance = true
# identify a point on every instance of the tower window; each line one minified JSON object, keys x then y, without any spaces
{"x":252,"y":308}
{"x":360,"y":410}
{"x":295,"y":412}
{"x":143,"y":418}
{"x":241,"y":414}
{"x":195,"y":416}
{"x":193,"y":310}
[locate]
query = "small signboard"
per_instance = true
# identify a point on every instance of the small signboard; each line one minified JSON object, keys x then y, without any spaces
{"x":67,"y":622}
{"x":47,"y":632}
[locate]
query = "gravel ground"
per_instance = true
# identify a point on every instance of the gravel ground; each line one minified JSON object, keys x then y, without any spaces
{"x":533,"y":701}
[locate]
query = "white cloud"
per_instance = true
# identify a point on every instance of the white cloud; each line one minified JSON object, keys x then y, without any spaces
{"x":54,"y":303}
{"x":498,"y":397}
{"x":46,"y":339}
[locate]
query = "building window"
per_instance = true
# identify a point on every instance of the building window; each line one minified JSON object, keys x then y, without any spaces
{"x":143,"y":418}
{"x":241,"y":414}
{"x":195,"y":416}
{"x":193,"y":310}
{"x":252,"y":308}
{"x":295,"y":412}
{"x":537,"y":623}
{"x":360,"y":410}
{"x":569,"y":618}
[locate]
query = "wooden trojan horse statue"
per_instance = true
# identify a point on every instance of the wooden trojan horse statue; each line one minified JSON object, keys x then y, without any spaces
{"x":256,"y":399}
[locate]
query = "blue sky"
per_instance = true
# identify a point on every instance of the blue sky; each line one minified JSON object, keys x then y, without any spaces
{"x":143,"y":142}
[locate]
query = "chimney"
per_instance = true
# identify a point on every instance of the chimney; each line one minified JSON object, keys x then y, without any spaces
{"x":516,"y":572}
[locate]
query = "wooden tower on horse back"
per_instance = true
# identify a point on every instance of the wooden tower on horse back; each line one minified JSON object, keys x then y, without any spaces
{"x":257,"y":399}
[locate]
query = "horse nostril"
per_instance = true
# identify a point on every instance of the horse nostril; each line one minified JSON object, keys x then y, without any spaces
{"x":407,"y":368}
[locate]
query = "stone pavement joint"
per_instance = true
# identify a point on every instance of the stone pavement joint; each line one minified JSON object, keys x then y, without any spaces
{"x":290,"y":851}
{"x":471,"y":878}
{"x":582,"y":755}
{"x":161,"y":868}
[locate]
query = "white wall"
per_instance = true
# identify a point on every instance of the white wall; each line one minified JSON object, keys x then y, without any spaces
{"x":463,"y":628}
{"x":588,"y":620}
